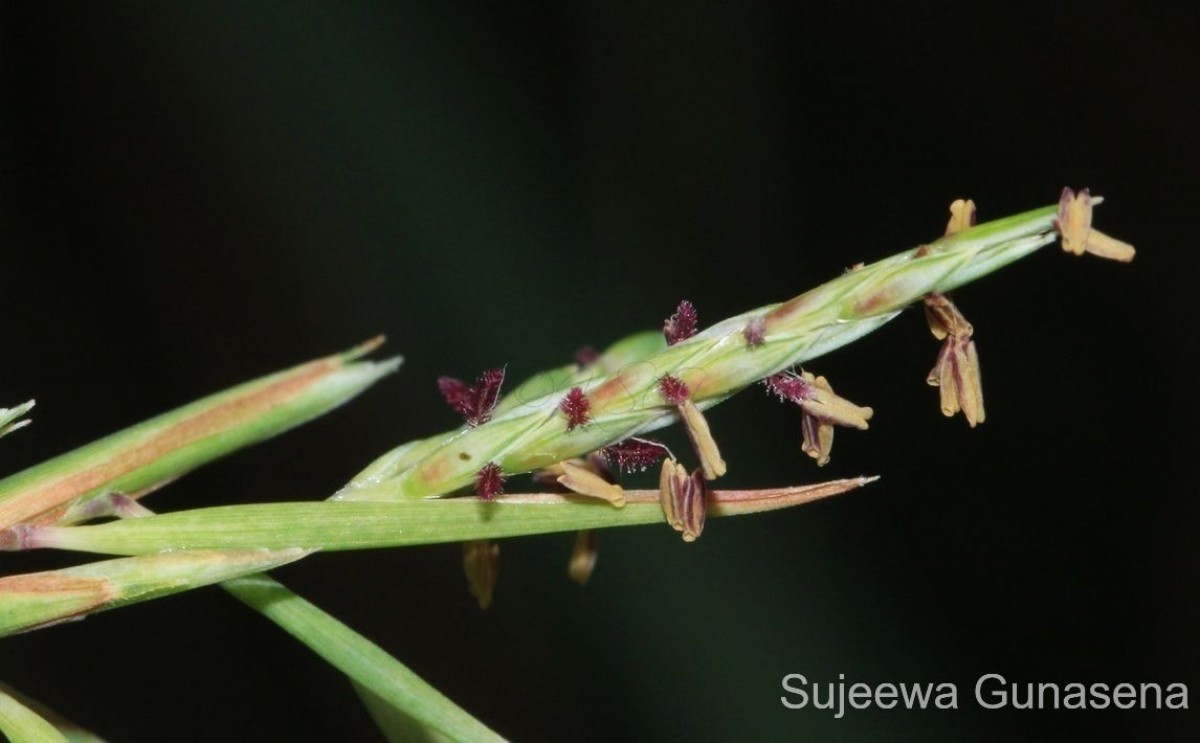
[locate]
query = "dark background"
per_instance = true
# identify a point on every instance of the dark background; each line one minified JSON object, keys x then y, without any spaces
{"x":198,"y":194}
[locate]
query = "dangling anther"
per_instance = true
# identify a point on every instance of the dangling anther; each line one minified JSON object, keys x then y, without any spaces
{"x":956,"y":374}
{"x":579,"y":479}
{"x":583,"y":557}
{"x":677,"y":393}
{"x":481,"y":562}
{"x":684,"y":499}
{"x":1074,"y":224}
{"x":822,"y":410}
{"x":962,"y":216}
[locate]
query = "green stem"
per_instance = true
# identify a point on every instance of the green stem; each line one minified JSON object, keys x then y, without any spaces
{"x":362,"y":660}
{"x":20,"y":723}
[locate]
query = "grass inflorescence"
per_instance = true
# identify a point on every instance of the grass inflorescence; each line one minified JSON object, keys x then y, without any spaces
{"x":576,"y":428}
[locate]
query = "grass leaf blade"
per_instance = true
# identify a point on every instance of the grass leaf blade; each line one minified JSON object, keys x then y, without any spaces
{"x":20,"y":723}
{"x":348,"y":525}
{"x":367,"y":665}
{"x":38,"y":599}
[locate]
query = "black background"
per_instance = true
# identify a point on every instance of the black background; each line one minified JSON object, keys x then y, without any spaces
{"x":198,"y":194}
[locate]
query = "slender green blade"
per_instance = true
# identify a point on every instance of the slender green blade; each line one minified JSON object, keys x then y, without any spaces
{"x":20,"y":723}
{"x":156,"y":451}
{"x":367,"y":665}
{"x":70,"y":730}
{"x":395,"y":724}
{"x":349,"y":525}
{"x":38,"y":599}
